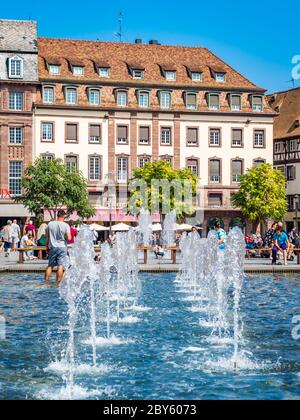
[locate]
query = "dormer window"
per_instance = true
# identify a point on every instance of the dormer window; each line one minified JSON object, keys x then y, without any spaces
{"x":71,"y":95}
{"x":15,"y":68}
{"x":94,"y":96}
{"x":122,"y":98}
{"x":104,"y":72}
{"x":220,"y":77}
{"x":235,"y":102}
{"x":165,"y":99}
{"x":196,"y":76}
{"x":171,"y":76}
{"x":144,"y":99}
{"x":78,"y":70}
{"x":138,"y":74}
{"x":48,"y":94}
{"x":54,"y":69}
{"x":191,"y":100}
{"x":257,"y":103}
{"x":214,"y":101}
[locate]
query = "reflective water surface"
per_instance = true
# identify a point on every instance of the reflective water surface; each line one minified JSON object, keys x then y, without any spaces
{"x":159,"y":352}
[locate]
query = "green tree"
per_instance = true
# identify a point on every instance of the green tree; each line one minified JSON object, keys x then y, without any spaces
{"x":162,"y":172}
{"x":47,"y":185}
{"x":262,"y":194}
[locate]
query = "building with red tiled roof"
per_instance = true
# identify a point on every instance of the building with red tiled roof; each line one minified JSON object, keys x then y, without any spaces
{"x":287,"y":146}
{"x":107,"y":108}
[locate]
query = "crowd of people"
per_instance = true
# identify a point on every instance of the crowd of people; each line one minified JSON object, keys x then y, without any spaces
{"x":277,"y":240}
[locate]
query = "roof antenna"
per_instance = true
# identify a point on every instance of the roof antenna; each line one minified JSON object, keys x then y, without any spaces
{"x":119,"y":34}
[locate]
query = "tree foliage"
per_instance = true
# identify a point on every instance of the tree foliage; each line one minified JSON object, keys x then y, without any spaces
{"x":262,"y":194}
{"x":47,"y":185}
{"x":161,"y":171}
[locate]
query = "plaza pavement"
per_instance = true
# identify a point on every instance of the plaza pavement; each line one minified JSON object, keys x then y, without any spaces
{"x":255,"y":265}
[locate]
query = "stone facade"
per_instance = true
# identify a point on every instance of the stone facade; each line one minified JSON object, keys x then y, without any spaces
{"x":18,"y":92}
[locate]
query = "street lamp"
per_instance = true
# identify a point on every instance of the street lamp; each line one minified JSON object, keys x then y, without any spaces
{"x":296,"y":200}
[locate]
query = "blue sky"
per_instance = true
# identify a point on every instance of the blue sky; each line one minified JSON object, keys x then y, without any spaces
{"x":258,"y":38}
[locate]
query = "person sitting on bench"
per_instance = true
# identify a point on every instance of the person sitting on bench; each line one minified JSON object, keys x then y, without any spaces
{"x":27,"y":242}
{"x":159,"y":251}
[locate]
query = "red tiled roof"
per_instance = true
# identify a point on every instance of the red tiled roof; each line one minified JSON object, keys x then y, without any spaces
{"x":153,"y":57}
{"x":288,"y":105}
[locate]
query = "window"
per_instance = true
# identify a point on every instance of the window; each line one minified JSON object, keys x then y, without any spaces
{"x":214,"y":102}
{"x":291,"y":203}
{"x":236,"y":102}
{"x":47,"y":156}
{"x":291,"y":173}
{"x":192,"y":165}
{"x":15,"y":68}
{"x":71,"y":133}
{"x":257,"y":103}
{"x":78,"y":70}
{"x":144,"y":99}
{"x":191,"y":101}
{"x":196,"y":76}
{"x":215,"y":200}
{"x":294,"y":145}
{"x":215,"y":171}
{"x":15,"y":177}
{"x":258,"y":162}
{"x":167,"y":159}
{"x":48,"y":94}
{"x":170,"y":76}
{"x":138,"y":74}
{"x":192,"y":136}
{"x":95,"y":133}
{"x":94,"y":97}
{"x":220,"y":77}
{"x":215,"y":137}
{"x":279,"y":148}
{"x":237,"y":170}
{"x":103,"y":72}
{"x":122,"y":169}
{"x":15,"y":101}
{"x":54,"y":69}
{"x":166,"y":136}
{"x":237,"y":137}
{"x":143,"y":160}
{"x":122,"y":98}
{"x":165,"y":99}
{"x":259,"y":138}
{"x":47,"y":132}
{"x":144,"y":135}
{"x":71,"y":96}
{"x":122,"y":134}
{"x":94,"y":168}
{"x":15,"y":135}
{"x":72,"y":164}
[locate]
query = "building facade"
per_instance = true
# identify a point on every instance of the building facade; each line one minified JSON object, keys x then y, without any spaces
{"x":287,"y":147}
{"x":107,"y":108}
{"x":18,"y":92}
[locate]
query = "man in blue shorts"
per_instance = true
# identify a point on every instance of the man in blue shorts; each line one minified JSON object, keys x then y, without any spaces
{"x":281,"y":241}
{"x":58,"y":234}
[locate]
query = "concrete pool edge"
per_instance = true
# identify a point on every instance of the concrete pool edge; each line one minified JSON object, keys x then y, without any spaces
{"x":157,"y":268}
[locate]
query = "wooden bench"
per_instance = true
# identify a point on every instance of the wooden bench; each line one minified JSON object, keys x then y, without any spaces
{"x":145,"y":249}
{"x":39,"y":249}
{"x":174,"y":250}
{"x":260,"y":250}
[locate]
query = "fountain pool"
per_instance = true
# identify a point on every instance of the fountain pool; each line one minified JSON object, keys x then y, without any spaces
{"x":161,"y":352}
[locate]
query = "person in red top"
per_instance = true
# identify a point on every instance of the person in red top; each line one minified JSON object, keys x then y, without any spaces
{"x":29,"y":228}
{"x":74,"y":234}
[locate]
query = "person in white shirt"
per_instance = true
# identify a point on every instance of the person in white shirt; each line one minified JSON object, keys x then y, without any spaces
{"x":16,"y":235}
{"x":7,"y":238}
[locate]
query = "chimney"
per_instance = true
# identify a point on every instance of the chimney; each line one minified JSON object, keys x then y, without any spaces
{"x":153,"y":42}
{"x":297,"y":123}
{"x":139,"y":41}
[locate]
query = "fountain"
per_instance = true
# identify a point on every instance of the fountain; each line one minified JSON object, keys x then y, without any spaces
{"x":144,"y":228}
{"x":168,"y":233}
